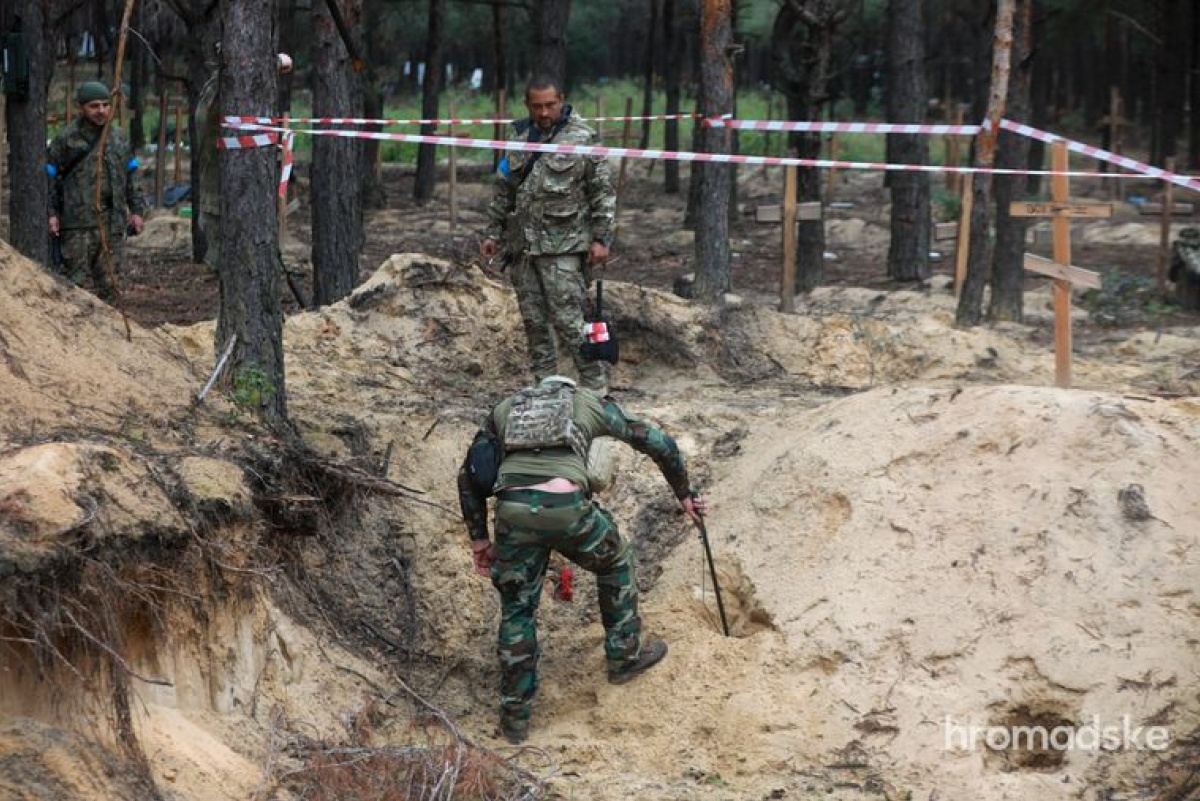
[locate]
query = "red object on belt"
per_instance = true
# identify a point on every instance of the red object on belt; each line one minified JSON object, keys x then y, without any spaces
{"x":596,"y":332}
{"x":564,"y":589}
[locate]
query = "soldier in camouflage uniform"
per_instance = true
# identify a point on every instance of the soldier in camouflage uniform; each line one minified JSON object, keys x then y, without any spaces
{"x":71,"y":165}
{"x":554,"y":214}
{"x":544,"y":504}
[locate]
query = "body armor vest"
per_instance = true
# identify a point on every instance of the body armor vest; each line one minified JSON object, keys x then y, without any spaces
{"x":544,"y":417}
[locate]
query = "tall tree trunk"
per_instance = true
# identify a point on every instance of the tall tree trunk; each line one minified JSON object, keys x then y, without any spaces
{"x":28,"y":196}
{"x":970,"y":302}
{"x":499,"y":51}
{"x":1194,"y":94}
{"x":648,"y":75}
{"x":137,"y":86}
{"x":374,"y":194}
{"x":673,"y":46}
{"x":550,"y":38}
{"x":336,"y":202}
{"x":249,"y":180}
{"x":287,"y":44}
{"x":1008,"y":264}
{"x":430,"y":91}
{"x":713,"y":258}
{"x":802,"y":42}
{"x":908,"y":253}
{"x":695,"y":168}
{"x":200,"y":53}
{"x":1173,"y":75}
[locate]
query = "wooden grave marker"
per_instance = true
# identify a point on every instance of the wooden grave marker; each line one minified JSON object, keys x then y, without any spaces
{"x":787,"y":283}
{"x":1061,"y":211}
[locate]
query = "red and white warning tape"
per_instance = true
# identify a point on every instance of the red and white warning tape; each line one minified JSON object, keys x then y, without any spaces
{"x":721,"y":158}
{"x":233,"y":121}
{"x":240,"y":142}
{"x":1103,"y":155}
{"x":843,"y":127}
{"x":285,"y":173}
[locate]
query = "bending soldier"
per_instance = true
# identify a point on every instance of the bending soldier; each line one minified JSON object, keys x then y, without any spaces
{"x":554,"y":214}
{"x":530,"y":451}
{"x":71,"y":165}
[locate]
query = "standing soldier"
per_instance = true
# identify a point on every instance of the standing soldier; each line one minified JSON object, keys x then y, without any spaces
{"x":554,"y":214}
{"x":530,"y":452}
{"x":71,"y":164}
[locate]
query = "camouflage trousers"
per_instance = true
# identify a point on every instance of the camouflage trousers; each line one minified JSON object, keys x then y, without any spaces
{"x":586,"y":534}
{"x":83,"y":265}
{"x":550,"y":292}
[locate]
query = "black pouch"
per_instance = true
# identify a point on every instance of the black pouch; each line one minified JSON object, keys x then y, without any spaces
{"x":599,"y":339}
{"x":483,"y":464}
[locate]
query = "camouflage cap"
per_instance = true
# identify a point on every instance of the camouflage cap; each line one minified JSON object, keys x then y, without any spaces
{"x":1190,"y":234}
{"x":556,"y":379}
{"x":91,"y":90}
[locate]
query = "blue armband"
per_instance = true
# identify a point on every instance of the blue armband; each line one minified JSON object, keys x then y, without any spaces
{"x":51,"y":170}
{"x":503,"y":168}
{"x":133,"y":164}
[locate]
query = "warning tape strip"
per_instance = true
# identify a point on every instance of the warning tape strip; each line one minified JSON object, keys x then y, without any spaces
{"x":241,"y":142}
{"x":720,"y":158}
{"x":285,"y":173}
{"x":844,"y":127}
{"x":229,"y":121}
{"x":1103,"y":155}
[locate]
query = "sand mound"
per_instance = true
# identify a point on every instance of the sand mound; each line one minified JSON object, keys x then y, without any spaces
{"x":923,"y":559}
{"x":65,"y":360}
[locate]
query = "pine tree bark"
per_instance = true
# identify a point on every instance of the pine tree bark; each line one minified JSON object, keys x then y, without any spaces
{"x":713,"y":257}
{"x":802,"y":44}
{"x":336,"y":198}
{"x":202,"y":20}
{"x":1171,"y":77}
{"x":431,"y":90}
{"x":28,"y":195}
{"x":908,"y":252}
{"x":1008,"y":265}
{"x":550,"y":38}
{"x":648,"y":75}
{"x":673,"y":46}
{"x":970,"y":301}
{"x":249,"y":247}
{"x":374,"y":194}
{"x":1194,"y":95}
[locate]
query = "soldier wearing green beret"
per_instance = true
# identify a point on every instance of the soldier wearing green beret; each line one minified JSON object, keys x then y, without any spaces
{"x":71,"y":165}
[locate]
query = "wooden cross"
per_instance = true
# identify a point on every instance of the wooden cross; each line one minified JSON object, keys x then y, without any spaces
{"x":1061,"y":211}
{"x":792,"y":213}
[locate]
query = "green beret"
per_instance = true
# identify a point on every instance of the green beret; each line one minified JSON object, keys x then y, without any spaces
{"x":91,"y":90}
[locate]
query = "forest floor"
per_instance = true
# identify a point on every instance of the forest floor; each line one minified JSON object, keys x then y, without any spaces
{"x":913,"y":527}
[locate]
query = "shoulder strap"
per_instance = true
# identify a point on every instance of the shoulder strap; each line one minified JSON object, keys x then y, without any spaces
{"x":75,"y":162}
{"x":528,"y":167}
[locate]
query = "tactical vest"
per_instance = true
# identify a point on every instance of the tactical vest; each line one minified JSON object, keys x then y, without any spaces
{"x":544,"y":417}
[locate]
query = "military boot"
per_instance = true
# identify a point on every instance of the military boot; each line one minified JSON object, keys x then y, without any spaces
{"x":514,"y":731}
{"x":652,"y":653}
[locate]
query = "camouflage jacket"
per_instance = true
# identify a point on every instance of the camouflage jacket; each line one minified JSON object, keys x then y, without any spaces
{"x":596,"y":417}
{"x":208,"y":125}
{"x":73,"y":188}
{"x":566,"y":201}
